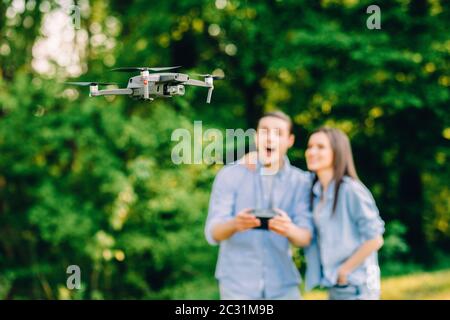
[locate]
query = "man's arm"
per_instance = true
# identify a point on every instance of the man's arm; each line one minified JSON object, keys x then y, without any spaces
{"x":221,"y":224}
{"x":283,"y":225}
{"x":301,"y":232}
{"x":243,"y":221}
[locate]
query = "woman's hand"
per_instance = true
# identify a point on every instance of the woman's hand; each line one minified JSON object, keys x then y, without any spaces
{"x":366,"y":249}
{"x":342,"y":276}
{"x":249,"y":160}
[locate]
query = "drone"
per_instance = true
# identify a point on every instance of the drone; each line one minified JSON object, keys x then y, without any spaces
{"x":148,"y":86}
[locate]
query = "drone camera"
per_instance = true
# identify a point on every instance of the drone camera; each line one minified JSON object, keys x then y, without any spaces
{"x":176,"y":90}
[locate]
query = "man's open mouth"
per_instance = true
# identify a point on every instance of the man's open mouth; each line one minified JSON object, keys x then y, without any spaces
{"x":269,"y":150}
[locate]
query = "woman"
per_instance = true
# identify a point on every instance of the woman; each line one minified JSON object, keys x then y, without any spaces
{"x":347,"y":227}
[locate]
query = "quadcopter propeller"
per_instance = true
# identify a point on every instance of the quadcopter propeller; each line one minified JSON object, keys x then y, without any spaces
{"x":85,"y":83}
{"x":130,"y":69}
{"x":210,"y":76}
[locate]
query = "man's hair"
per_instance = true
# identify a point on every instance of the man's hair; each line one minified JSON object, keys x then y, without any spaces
{"x":280,"y":115}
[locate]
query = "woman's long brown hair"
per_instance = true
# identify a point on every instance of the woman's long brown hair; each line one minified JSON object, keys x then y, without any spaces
{"x":343,"y":164}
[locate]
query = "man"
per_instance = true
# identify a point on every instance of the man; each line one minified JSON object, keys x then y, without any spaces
{"x":257,"y":263}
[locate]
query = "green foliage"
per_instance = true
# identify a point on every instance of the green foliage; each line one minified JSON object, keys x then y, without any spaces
{"x":91,"y":182}
{"x":394,"y":244}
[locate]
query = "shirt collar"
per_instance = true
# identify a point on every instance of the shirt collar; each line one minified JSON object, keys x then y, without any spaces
{"x":317,"y":189}
{"x":282,"y":172}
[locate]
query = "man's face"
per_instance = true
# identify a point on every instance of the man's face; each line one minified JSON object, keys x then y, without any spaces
{"x":273,"y":139}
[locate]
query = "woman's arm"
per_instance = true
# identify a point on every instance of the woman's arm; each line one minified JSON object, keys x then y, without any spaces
{"x":365,"y":214}
{"x":358,"y":257}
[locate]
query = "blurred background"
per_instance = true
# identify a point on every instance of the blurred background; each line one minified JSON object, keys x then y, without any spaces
{"x":90,"y":181}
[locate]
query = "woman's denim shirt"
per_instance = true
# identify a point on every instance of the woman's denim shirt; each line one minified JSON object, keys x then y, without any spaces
{"x":336,"y":236}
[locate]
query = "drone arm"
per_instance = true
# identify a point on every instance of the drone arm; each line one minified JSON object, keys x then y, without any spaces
{"x":207,"y":84}
{"x":210,"y":90}
{"x":198,"y":83}
{"x":113,"y":92}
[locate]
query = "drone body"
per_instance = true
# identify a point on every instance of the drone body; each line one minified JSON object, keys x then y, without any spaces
{"x":148,"y":86}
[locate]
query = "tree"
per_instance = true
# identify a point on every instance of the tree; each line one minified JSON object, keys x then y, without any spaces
{"x":89,"y":181}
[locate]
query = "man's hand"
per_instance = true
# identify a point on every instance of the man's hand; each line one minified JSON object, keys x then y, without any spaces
{"x":281,"y":223}
{"x":244,"y":220}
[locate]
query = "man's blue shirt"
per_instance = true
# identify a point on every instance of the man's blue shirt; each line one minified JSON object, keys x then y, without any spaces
{"x":257,"y":263}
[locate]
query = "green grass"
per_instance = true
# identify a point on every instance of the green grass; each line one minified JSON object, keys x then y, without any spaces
{"x":417,"y":286}
{"x":414,"y":286}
